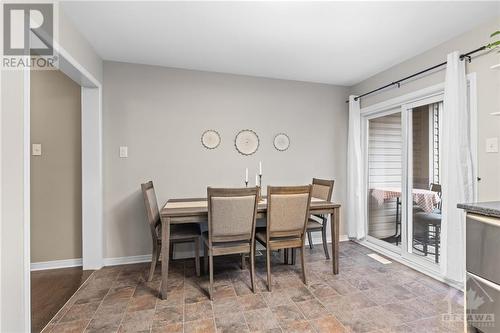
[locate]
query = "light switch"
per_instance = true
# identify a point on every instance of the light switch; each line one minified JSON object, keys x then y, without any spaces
{"x":36,"y":149}
{"x":123,"y":151}
{"x":492,"y":145}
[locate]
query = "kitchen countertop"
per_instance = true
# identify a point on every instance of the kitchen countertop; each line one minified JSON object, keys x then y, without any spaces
{"x":490,"y":208}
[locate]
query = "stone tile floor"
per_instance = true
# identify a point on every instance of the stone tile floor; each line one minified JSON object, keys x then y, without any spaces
{"x":366,"y":296}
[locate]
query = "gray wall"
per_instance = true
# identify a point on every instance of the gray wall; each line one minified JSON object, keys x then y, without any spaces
{"x":56,"y":175}
{"x":488,"y":94}
{"x":160,"y":114}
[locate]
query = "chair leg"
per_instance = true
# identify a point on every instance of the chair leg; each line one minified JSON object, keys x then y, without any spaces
{"x":205,"y":260}
{"x":268,"y":264}
{"x":437,"y":242}
{"x":309,"y":238}
{"x":252,"y":266}
{"x":325,"y":244}
{"x":211,"y":267}
{"x":171,"y":251}
{"x":154,"y":259}
{"x":303,"y":263}
{"x":242,"y":261}
{"x":197,"y":255}
{"x":285,"y":256}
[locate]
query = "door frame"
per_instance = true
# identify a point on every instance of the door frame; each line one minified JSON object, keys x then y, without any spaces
{"x":407,"y":109}
{"x":92,"y":182}
{"x":400,"y":104}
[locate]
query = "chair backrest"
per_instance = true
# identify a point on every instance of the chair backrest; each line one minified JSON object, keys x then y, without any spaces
{"x":287,"y":210}
{"x":231,"y":214}
{"x":152,"y":212}
{"x":322,"y":189}
{"x":435,"y":188}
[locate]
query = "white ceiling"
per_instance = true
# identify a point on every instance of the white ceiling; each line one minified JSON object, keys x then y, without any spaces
{"x":330,"y":42}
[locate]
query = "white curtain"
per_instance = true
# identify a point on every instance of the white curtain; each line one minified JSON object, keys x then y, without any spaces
{"x":354,"y":204}
{"x":457,"y":174}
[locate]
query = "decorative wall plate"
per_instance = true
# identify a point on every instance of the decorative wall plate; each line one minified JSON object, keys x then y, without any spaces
{"x":210,"y":139}
{"x":246,"y":142}
{"x":281,"y":142}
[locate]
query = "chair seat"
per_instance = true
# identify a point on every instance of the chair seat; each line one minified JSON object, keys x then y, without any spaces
{"x":279,"y":242}
{"x":312,"y":224}
{"x":427,"y":218}
{"x":223,"y":248}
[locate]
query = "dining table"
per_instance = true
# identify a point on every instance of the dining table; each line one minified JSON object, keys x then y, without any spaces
{"x":427,"y":200}
{"x":195,"y":210}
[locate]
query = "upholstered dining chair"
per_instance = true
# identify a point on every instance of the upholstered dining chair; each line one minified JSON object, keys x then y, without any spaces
{"x":321,"y":189}
{"x":287,"y":215}
{"x":231,"y":226}
{"x":178,"y":233}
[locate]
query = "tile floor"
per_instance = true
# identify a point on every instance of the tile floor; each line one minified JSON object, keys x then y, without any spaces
{"x":366,"y":296}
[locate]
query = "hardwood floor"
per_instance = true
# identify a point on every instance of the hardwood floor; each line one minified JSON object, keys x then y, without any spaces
{"x":50,"y":290}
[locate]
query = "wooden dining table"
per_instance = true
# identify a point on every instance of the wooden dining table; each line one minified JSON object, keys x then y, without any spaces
{"x":195,"y":210}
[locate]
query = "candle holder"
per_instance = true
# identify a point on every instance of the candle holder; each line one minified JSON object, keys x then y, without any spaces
{"x":246,"y":183}
{"x":260,"y":185}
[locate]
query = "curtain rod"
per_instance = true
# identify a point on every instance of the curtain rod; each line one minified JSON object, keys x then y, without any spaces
{"x":398,"y":82}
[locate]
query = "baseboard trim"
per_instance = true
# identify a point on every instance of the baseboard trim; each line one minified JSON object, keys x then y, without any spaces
{"x":186,"y":254}
{"x":127,"y":260}
{"x":55,"y":264}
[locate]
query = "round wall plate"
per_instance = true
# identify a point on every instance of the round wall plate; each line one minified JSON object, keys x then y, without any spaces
{"x":210,"y":139}
{"x":246,"y":142}
{"x":281,"y":142}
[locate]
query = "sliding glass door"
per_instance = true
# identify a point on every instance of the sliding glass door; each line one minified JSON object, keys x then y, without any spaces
{"x":424,"y":174}
{"x":384,"y":155}
{"x":402,"y":173}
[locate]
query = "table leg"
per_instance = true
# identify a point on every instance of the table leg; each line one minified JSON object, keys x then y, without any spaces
{"x":334,"y":223}
{"x":165,"y":255}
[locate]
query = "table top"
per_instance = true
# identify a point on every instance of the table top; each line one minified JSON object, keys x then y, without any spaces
{"x":398,"y":190}
{"x":199,"y":206}
{"x":426,"y":199}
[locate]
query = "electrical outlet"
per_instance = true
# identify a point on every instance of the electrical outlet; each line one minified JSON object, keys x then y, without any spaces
{"x":36,"y":149}
{"x":123,"y":151}
{"x":492,"y":145}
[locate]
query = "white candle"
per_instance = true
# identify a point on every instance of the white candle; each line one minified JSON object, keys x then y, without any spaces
{"x":256,"y":180}
{"x":260,"y":168}
{"x":246,"y":175}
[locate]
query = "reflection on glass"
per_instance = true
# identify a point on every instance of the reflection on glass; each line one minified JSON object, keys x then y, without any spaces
{"x":385,"y":149}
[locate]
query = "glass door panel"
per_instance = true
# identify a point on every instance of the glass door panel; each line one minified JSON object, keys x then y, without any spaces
{"x":384,"y":171}
{"x":424,"y":195}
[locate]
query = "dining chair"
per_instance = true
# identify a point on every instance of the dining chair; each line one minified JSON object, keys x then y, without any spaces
{"x":321,"y":189}
{"x":287,"y":215}
{"x":427,"y":227}
{"x":231,"y":226}
{"x":178,"y":233}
